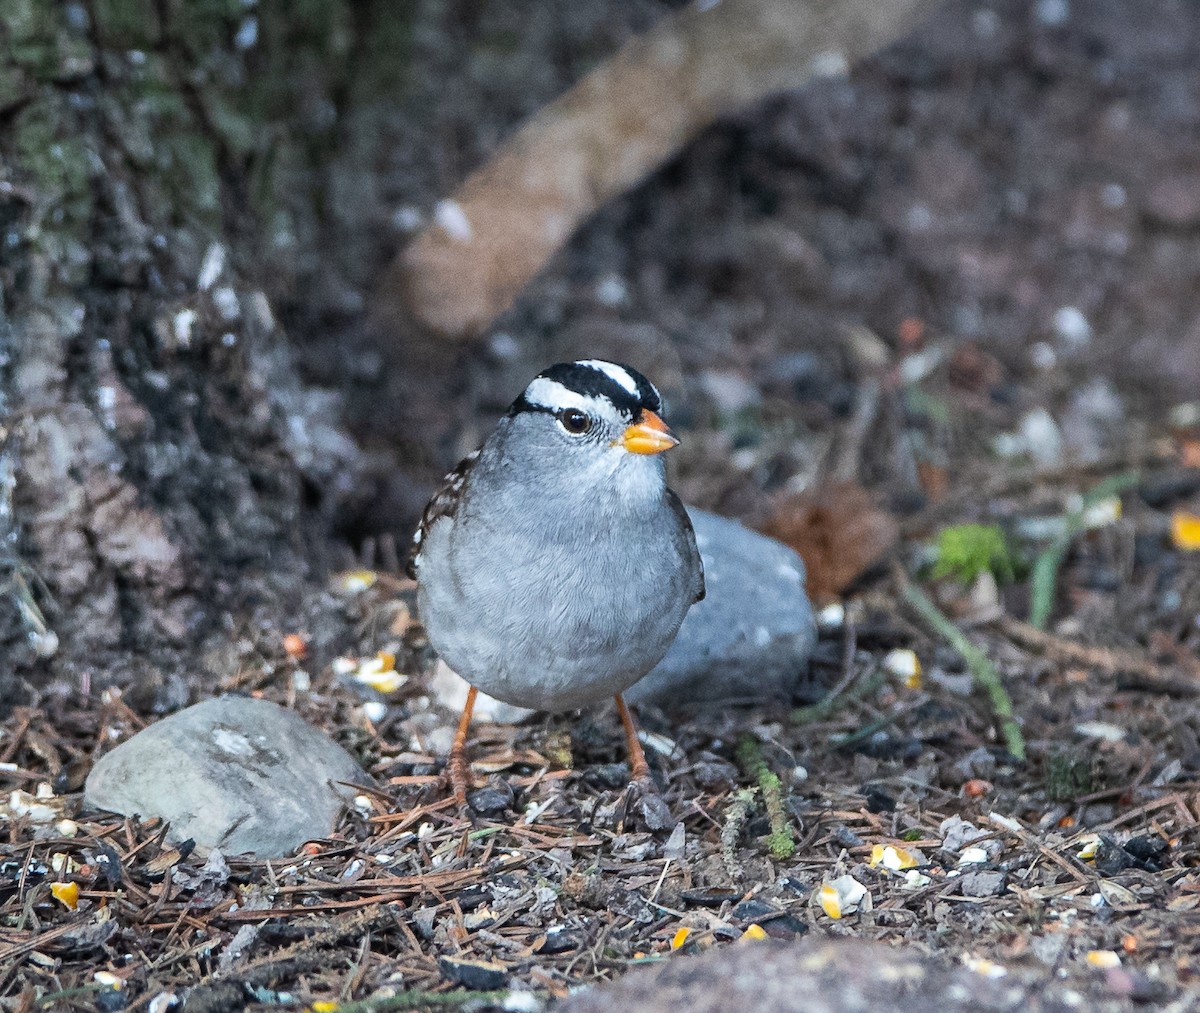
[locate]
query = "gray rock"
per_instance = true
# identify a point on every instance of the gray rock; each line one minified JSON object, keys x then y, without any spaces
{"x":830,"y":976}
{"x":750,"y":638}
{"x":242,"y":775}
{"x":982,"y":884}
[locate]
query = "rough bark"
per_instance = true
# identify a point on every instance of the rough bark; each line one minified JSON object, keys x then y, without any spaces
{"x":158,"y":449}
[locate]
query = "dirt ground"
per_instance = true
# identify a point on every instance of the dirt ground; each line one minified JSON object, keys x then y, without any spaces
{"x":901,"y":277}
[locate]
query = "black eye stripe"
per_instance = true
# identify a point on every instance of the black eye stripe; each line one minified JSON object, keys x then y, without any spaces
{"x":592,"y":382}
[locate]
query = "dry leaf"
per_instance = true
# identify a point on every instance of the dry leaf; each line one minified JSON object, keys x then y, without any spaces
{"x":838,"y":531}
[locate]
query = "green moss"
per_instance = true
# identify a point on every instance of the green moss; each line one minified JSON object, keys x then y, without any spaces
{"x":27,"y":23}
{"x":211,"y":133}
{"x":14,"y":86}
{"x":128,"y":24}
{"x":780,"y":844}
{"x":967,"y":550}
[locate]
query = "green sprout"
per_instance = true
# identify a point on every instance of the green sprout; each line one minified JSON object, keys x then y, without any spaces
{"x":964,"y":551}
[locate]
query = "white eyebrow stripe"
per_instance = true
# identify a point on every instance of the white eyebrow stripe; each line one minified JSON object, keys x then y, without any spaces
{"x":553,"y":395}
{"x":615,"y":373}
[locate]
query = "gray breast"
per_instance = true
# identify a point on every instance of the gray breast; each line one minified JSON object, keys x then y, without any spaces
{"x":555,"y":608}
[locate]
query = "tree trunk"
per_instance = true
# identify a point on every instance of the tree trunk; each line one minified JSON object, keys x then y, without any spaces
{"x":160,"y":458}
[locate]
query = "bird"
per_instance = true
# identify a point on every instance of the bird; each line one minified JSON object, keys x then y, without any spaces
{"x":554,"y":565}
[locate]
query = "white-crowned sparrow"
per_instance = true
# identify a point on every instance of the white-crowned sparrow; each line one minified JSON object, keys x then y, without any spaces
{"x":554,"y":566}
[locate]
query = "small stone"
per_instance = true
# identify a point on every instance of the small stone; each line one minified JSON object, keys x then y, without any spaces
{"x":982,"y":884}
{"x":1094,"y":420}
{"x":423,"y":921}
{"x":491,"y":800}
{"x":480,"y":975}
{"x":1052,"y":12}
{"x":712,"y":772}
{"x":980,"y":762}
{"x":1048,"y":948}
{"x":558,"y":939}
{"x":1149,"y":850}
{"x":753,"y":910}
{"x":710,"y":896}
{"x":655,"y":813}
{"x":606,"y":775}
{"x":1041,"y":437}
{"x":958,"y":834}
{"x":785,"y":927}
{"x":878,"y":801}
{"x":1072,"y":327}
{"x":242,"y":775}
{"x":751,"y":636}
{"x":673,"y":850}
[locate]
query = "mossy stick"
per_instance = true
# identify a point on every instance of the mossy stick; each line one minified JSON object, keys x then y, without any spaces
{"x":983,"y":671}
{"x":780,"y":842}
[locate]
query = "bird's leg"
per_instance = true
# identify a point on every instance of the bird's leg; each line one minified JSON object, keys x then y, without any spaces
{"x":460,"y":771}
{"x":638,"y":767}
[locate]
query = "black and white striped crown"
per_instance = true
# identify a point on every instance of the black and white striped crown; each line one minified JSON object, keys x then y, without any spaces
{"x":590,"y":385}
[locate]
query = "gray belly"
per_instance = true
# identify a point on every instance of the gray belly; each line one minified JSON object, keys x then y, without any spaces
{"x":565,"y":636}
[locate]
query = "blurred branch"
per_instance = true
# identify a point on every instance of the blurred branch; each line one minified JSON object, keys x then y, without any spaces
{"x":1044,"y":580}
{"x":983,"y":671}
{"x":610,"y":130}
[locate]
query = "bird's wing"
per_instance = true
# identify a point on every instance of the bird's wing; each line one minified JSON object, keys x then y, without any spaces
{"x":689,"y":535}
{"x":443,"y":504}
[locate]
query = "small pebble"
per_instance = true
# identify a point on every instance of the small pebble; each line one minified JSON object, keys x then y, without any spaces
{"x":1052,"y":12}
{"x":480,"y":975}
{"x":1072,"y":327}
{"x":491,"y":800}
{"x":655,"y":812}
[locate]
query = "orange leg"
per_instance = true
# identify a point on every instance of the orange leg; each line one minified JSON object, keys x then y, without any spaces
{"x":638,"y":767}
{"x":460,"y":771}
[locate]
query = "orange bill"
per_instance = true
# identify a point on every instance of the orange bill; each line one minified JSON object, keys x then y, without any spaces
{"x":649,"y":435}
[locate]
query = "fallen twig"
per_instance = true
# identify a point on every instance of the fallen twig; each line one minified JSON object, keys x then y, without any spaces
{"x":1138,"y":670}
{"x":735,"y":819}
{"x":1010,"y":826}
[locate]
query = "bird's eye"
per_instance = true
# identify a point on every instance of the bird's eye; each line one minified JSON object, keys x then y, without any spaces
{"x":574,"y":421}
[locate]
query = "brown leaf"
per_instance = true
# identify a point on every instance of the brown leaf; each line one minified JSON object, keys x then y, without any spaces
{"x":838,"y":531}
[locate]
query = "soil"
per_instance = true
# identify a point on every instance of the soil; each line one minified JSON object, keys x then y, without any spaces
{"x":895,"y":270}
